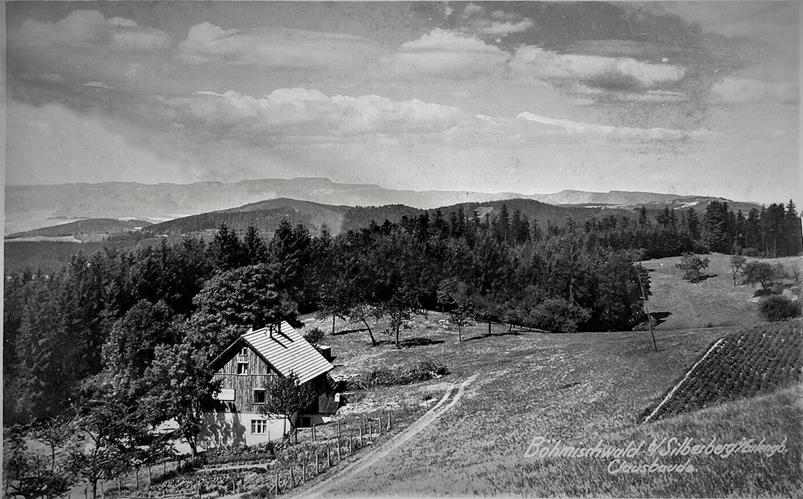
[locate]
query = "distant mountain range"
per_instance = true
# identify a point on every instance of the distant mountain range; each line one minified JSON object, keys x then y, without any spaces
{"x":31,"y":207}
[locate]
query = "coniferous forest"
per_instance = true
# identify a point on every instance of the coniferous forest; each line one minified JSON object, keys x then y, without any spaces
{"x":143,"y":324}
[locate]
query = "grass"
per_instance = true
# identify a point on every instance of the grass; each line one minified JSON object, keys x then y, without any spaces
{"x":577,"y":388}
{"x":714,"y":301}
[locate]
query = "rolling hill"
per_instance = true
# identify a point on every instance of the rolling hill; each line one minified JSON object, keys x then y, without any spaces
{"x":266,"y":215}
{"x":263,"y":215}
{"x":92,"y":229}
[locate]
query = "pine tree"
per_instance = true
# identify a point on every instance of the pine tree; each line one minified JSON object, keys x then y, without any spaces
{"x":793,"y":230}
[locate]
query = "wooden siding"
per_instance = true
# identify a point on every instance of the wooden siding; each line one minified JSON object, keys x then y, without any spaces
{"x":258,"y":377}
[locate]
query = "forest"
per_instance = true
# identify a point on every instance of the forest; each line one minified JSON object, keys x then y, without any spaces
{"x":127,"y":335}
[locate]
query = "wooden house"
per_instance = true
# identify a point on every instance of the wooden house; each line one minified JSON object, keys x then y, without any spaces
{"x":245,"y":370}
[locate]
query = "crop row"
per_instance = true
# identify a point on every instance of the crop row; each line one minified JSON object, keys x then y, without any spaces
{"x":743,"y":365}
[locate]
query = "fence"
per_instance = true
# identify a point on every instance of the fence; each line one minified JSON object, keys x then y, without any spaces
{"x":308,"y":453}
{"x":330,"y":444}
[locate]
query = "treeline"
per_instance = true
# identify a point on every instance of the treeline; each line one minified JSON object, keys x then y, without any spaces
{"x":773,"y":231}
{"x":131,"y":316}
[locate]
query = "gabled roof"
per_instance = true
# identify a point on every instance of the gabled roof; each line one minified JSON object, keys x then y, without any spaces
{"x":285,"y":350}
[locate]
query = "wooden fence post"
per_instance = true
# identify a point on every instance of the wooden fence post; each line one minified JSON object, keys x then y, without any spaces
{"x":277,"y":481}
{"x":328,"y":457}
{"x":390,"y":419}
{"x":317,"y":468}
{"x":360,"y":436}
{"x":338,"y":447}
{"x":338,"y":429}
{"x":292,"y":479}
{"x":313,"y":433}
{"x":136,"y":477}
{"x":380,"y":421}
{"x":304,"y":470}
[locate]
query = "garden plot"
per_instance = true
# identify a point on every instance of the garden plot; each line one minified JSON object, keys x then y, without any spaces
{"x":741,"y":365}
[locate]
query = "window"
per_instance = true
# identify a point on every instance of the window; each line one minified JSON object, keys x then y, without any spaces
{"x":259,"y":396}
{"x":242,"y":367}
{"x":258,"y":426}
{"x":244,"y":352}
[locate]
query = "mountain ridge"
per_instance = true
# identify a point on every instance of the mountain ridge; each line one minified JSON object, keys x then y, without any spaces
{"x":30,"y":207}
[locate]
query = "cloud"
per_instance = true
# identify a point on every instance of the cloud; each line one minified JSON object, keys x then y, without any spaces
{"x":305,"y":112}
{"x":446,"y":53}
{"x":732,"y":90}
{"x":476,"y":20}
{"x":613,"y":73}
{"x":51,"y":77}
{"x":273,"y":47}
{"x":615,"y":132}
{"x":88,"y":28}
{"x":98,"y":84}
{"x":585,"y":95}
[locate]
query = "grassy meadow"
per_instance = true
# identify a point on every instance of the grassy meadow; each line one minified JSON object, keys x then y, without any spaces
{"x":577,"y":388}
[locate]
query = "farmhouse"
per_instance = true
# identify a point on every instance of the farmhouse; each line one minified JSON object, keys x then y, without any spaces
{"x":246,"y":369}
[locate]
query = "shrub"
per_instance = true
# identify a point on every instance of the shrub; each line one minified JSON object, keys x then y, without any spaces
{"x":314,"y":335}
{"x":776,"y":308}
{"x":691,"y":265}
{"x":750,"y":252}
{"x":558,"y":316}
{"x":258,"y":493}
{"x":385,"y":376}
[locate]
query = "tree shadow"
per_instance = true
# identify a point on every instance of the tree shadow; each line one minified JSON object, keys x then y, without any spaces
{"x":659,"y":317}
{"x":486,"y":335}
{"x":417,"y":342}
{"x":347,"y":331}
{"x":702,"y":278}
{"x":410,"y":342}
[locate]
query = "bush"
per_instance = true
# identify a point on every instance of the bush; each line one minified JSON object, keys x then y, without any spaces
{"x":384,"y":376}
{"x":258,"y":493}
{"x":314,"y":335}
{"x":777,"y":308}
{"x":558,"y":316}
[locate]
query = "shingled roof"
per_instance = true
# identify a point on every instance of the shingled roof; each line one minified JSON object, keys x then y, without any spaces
{"x":286,"y":351}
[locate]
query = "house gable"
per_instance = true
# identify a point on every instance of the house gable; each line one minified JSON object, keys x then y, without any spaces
{"x":241,"y":371}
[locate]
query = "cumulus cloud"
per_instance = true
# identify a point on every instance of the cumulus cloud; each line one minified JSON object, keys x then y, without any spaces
{"x":446,"y":53}
{"x":615,"y":132}
{"x":475,"y":19}
{"x":307,"y":112}
{"x":732,"y":90}
{"x":614,"y":73}
{"x":90,"y":27}
{"x":273,"y":47}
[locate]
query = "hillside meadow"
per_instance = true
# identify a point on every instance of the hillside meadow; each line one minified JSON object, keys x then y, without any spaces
{"x":579,"y":389}
{"x":714,"y":301}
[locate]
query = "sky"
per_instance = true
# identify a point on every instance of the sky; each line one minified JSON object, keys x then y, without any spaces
{"x":530,"y":97}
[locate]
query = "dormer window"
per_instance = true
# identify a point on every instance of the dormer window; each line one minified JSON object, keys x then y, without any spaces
{"x":242,"y":368}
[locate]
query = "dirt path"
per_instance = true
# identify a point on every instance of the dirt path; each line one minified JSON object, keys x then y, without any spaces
{"x":375,"y":455}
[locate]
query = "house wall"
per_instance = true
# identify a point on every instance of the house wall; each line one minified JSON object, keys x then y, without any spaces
{"x":258,"y":377}
{"x":233,"y":429}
